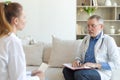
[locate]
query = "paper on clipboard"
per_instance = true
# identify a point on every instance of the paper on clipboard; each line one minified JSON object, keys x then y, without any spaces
{"x":43,"y":67}
{"x":69,"y":65}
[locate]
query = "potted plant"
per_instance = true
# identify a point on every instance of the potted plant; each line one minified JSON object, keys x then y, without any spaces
{"x":90,"y":10}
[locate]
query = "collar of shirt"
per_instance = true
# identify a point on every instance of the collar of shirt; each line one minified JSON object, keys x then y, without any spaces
{"x":97,"y":37}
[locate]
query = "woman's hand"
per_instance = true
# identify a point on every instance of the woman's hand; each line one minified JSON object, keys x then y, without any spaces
{"x":38,"y":73}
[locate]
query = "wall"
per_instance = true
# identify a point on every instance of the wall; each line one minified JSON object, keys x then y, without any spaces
{"x":49,"y":17}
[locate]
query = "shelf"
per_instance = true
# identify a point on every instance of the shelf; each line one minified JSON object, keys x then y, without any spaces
{"x":111,"y":20}
{"x":104,"y":20}
{"x":81,"y":20}
{"x":99,"y":2}
{"x":106,"y":34}
{"x":81,"y":36}
{"x":114,"y":34}
{"x":110,"y":14}
{"x":99,"y":6}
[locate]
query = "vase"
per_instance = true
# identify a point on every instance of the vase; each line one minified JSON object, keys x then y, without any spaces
{"x":114,"y":4}
{"x":108,"y":3}
{"x":90,"y":14}
{"x":112,"y":30}
{"x":118,"y":31}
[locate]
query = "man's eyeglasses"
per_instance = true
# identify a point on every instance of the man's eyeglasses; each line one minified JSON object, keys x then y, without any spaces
{"x":93,"y":25}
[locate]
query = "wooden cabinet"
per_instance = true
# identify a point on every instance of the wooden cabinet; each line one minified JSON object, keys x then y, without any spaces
{"x":110,"y":14}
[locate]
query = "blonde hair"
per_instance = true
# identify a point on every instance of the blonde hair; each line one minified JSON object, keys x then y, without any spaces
{"x":7,"y":12}
{"x":5,"y":27}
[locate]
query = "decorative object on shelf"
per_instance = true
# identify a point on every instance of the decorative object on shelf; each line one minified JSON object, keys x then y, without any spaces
{"x":114,"y":4}
{"x":81,"y":9}
{"x":32,"y":41}
{"x":118,"y":31}
{"x":108,"y":3}
{"x":119,"y":16}
{"x":112,"y":30}
{"x":94,"y":2}
{"x":90,"y":10}
{"x":85,"y":2}
{"x":80,"y":30}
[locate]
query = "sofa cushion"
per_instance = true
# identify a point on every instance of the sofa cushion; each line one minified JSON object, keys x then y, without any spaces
{"x":32,"y":68}
{"x":63,"y":51}
{"x":33,"y":53}
{"x":47,"y":52}
{"x":54,"y":74}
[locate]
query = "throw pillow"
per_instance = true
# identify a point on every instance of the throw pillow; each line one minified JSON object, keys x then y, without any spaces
{"x":33,"y":53}
{"x":63,"y":51}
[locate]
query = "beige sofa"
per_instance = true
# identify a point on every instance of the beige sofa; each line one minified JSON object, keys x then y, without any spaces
{"x":55,"y":54}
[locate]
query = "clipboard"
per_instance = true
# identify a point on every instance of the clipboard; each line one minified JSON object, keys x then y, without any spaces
{"x":69,"y":65}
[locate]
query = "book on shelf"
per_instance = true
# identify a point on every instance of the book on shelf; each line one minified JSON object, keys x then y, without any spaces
{"x":69,"y":65}
{"x":94,"y":2}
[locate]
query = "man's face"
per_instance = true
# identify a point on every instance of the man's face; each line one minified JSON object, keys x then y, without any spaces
{"x":94,"y":27}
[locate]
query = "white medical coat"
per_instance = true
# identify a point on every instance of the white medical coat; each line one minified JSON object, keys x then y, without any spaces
{"x":12,"y":59}
{"x":105,"y":50}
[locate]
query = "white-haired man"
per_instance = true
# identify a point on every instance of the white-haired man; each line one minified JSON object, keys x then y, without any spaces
{"x":98,"y":51}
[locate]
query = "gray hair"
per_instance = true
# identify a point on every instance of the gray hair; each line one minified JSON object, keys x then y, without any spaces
{"x":99,"y":19}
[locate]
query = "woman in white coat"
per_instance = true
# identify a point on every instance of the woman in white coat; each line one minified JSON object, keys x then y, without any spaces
{"x":12,"y":57}
{"x":97,"y":51}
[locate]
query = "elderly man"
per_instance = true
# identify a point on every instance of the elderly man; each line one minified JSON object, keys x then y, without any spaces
{"x":97,"y":51}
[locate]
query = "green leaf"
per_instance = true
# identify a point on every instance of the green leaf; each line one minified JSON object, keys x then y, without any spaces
{"x":90,"y":10}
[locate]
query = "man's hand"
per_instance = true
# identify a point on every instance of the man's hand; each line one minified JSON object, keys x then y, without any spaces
{"x":92,"y":65}
{"x":38,"y":73}
{"x":76,"y":63}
